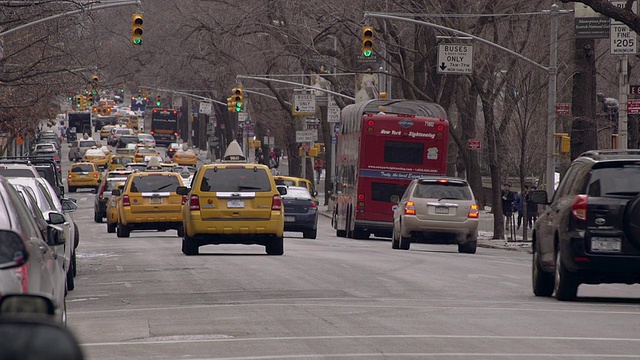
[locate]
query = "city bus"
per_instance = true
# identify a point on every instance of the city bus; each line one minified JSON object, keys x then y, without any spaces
{"x":382,"y":146}
{"x":164,"y":126}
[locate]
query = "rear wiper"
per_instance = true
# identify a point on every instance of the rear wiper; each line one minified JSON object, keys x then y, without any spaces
{"x":629,"y":193}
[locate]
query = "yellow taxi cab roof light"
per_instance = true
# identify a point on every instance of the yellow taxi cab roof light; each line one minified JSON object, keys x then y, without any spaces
{"x":234,"y":153}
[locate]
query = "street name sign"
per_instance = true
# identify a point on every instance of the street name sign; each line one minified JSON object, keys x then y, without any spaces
{"x":474,"y":144}
{"x":333,"y":114}
{"x":304,"y":136}
{"x":563,"y":109}
{"x":205,"y":108}
{"x":304,"y":105}
{"x":455,"y":59}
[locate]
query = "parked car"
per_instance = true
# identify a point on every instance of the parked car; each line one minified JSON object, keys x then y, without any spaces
{"x":34,"y":167}
{"x":27,"y":263}
{"x":48,"y":203}
{"x":300,"y":211}
{"x":233,"y":202}
{"x":436,"y":210}
{"x":589,"y":232}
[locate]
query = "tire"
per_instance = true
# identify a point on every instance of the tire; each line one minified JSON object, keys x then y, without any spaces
{"x":566,"y":282}
{"x":542,"y":282}
{"x":122,"y":231}
{"x":360,"y":234}
{"x":405,"y":243}
{"x":71,"y":189}
{"x":275,"y":246}
{"x":111,"y":228}
{"x":70,"y":282}
{"x":75,"y":266}
{"x":310,"y":234}
{"x":180,"y":231}
{"x":76,"y":237}
{"x":395,"y":243}
{"x":470,"y":246}
{"x":97,"y":217}
{"x":341,"y":233}
{"x":189,"y":246}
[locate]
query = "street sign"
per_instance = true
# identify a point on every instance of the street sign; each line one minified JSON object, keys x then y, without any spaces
{"x":634,"y":89}
{"x":303,"y":105}
{"x":333,"y":114}
{"x":336,"y":129}
{"x":474,"y":144}
{"x":242,"y":117}
{"x":633,"y":106}
{"x":331,"y":101}
{"x":304,"y":136}
{"x":455,"y":59}
{"x":623,"y":41}
{"x":314,"y":133}
{"x":563,"y":109}
{"x":205,"y":108}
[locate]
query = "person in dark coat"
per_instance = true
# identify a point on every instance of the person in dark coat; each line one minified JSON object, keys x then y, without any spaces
{"x":507,"y":197}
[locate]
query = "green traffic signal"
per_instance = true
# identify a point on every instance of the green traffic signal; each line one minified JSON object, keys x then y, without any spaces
{"x":137,"y":41}
{"x":158,"y":103}
{"x":78,"y":106}
{"x":238,"y":107}
{"x":367,"y":53}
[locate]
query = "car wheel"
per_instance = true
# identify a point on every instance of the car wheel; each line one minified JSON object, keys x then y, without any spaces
{"x":395,"y":243}
{"x":310,"y":234}
{"x":275,"y":246}
{"x":189,"y":246}
{"x":76,"y":236}
{"x":180,"y":231}
{"x":70,"y":282}
{"x":470,"y":246}
{"x":122,"y":231}
{"x":73,"y":261}
{"x":360,"y":234}
{"x":111,"y":228}
{"x":72,"y":189}
{"x":542,"y":281}
{"x":566,"y":282}
{"x":341,"y":233}
{"x":97,"y":217}
{"x":405,"y":243}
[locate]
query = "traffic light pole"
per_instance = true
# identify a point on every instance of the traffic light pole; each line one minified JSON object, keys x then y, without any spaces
{"x":69,"y":13}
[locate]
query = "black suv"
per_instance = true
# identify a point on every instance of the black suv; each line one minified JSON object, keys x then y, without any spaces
{"x":590,"y":232}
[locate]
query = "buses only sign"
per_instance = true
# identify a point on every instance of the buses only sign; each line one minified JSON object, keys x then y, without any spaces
{"x":455,"y":59}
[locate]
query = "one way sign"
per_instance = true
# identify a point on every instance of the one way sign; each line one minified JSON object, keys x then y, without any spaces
{"x":455,"y":59}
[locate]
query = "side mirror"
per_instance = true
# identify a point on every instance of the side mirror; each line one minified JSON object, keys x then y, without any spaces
{"x":182,"y":190}
{"x":314,"y":193}
{"x":73,"y":200}
{"x":538,"y":197}
{"x":116,"y":192}
{"x":282,"y":190}
{"x":69,"y":205}
{"x":26,"y":304}
{"x":395,"y":199}
{"x":13,"y":252}
{"x":55,"y":218}
{"x":55,"y":236}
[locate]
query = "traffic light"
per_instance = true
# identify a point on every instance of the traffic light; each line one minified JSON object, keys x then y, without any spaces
{"x":136,"y":29}
{"x":94,"y":82}
{"x":230,"y":105}
{"x":367,"y":41}
{"x":75,"y":102}
{"x":238,"y":98}
{"x":83,"y":102}
{"x":90,"y":98}
{"x":158,"y":100}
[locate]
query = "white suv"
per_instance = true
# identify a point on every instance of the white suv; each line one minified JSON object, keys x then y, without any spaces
{"x":437,"y":210}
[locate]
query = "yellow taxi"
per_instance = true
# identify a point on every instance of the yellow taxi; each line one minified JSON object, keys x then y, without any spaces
{"x":168,"y":166}
{"x":233,"y":202}
{"x":105,"y":131}
{"x":296,"y":181}
{"x":149,"y":201}
{"x":143,"y":154}
{"x":96,"y":156}
{"x":185,"y":157}
{"x":83,"y":175}
{"x":112,"y":209}
{"x":119,"y":161}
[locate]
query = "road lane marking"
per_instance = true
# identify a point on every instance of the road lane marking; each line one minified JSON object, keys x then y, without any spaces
{"x":119,"y":268}
{"x":385,"y":355}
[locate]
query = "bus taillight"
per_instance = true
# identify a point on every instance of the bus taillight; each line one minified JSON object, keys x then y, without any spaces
{"x":360,"y":197}
{"x":175,"y":134}
{"x":440,"y":127}
{"x":410,"y":208}
{"x":371,"y":122}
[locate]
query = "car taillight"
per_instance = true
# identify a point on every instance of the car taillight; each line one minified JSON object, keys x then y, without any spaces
{"x":409,"y":208}
{"x":175,"y":134}
{"x":184,"y":199}
{"x":69,"y":176}
{"x":473,"y":212}
{"x":101,"y":195}
{"x":23,"y":274}
{"x":151,"y":133}
{"x":313,"y":205}
{"x":579,"y":207}
{"x":125,"y":200}
{"x":194,"y":202}
{"x":56,"y":159}
{"x":276,"y":203}
{"x":95,"y":176}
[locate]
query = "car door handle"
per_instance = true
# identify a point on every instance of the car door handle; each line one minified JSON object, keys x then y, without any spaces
{"x":43,"y":249}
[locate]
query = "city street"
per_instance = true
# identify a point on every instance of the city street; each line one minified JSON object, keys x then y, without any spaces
{"x":330,"y":298}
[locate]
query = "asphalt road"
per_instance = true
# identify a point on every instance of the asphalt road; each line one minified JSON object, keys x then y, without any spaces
{"x":329,"y":298}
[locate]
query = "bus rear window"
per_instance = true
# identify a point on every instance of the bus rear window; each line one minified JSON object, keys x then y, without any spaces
{"x":403,"y":152}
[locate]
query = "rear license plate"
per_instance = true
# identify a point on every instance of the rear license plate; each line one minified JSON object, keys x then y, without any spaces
{"x":235,"y":203}
{"x":442,"y":210}
{"x":601,"y":244}
{"x":289,"y":218}
{"x":155,"y":200}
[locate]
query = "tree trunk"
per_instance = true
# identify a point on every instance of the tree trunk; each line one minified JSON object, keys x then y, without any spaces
{"x":584,"y":133}
{"x":494,"y":169}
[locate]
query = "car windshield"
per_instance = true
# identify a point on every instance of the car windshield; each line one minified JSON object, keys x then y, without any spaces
{"x":82,"y":168}
{"x":154,"y":183}
{"x":442,"y":190}
{"x":87,"y":143}
{"x":94,"y":152}
{"x":235,"y":179}
{"x":146,"y":151}
{"x":285,"y":182}
{"x":123,"y":131}
{"x":8,"y":172}
{"x":121,"y":160}
{"x":614,"y":180}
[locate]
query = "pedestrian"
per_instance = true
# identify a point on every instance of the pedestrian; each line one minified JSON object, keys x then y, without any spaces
{"x":518,"y":202}
{"x":532,"y":208}
{"x":507,"y":203}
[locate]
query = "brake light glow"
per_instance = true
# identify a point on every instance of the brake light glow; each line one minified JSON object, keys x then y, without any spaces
{"x":276,"y":203}
{"x":360,"y":196}
{"x":443,"y":181}
{"x":194,"y":202}
{"x":125,"y":200}
{"x":473,"y":212}
{"x":440,"y":127}
{"x":313,"y":205}
{"x":69,"y":176}
{"x":175,"y":134}
{"x":23,"y":275}
{"x":95,"y":175}
{"x":410,"y":208}
{"x":151,"y":133}
{"x":579,"y":207}
{"x":371,"y":122}
{"x":56,"y":159}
